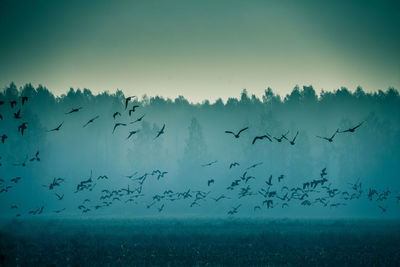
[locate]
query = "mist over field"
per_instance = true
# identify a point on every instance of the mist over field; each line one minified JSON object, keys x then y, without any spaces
{"x":194,"y":149}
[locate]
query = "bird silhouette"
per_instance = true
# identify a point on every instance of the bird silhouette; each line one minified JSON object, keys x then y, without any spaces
{"x":134,"y":107}
{"x":73,"y":110}
{"x":266,"y":136}
{"x":24,"y":99}
{"x":3,"y":138}
{"x":351,"y":130}
{"x":233,"y":165}
{"x":329,"y":139}
{"x":117,"y":125}
{"x":13,"y":103}
{"x":91,"y":120}
{"x":57,"y":128}
{"x":283,"y":136}
{"x":127,"y":101}
{"x":17,"y":115}
{"x":209,"y":164}
{"x":116,"y":114}
{"x":160,"y":132}
{"x":236,"y":135}
{"x":132,"y":133}
{"x":22,"y":128}
{"x":137,"y":120}
{"x":209,"y":182}
{"x":294,"y":139}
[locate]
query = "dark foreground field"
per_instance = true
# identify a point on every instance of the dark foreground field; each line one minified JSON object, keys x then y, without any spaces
{"x":199,"y":243}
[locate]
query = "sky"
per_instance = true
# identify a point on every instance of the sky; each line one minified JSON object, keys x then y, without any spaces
{"x":200,"y":49}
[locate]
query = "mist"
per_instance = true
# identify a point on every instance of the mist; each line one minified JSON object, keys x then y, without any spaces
{"x":195,"y":149}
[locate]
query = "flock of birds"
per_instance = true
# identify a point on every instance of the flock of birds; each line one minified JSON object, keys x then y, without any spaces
{"x":267,"y":192}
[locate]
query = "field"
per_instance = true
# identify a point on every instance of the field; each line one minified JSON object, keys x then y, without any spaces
{"x":202,"y":242}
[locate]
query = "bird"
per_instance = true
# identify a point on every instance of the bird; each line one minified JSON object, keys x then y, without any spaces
{"x":36,"y":157}
{"x":59,"y":197}
{"x":237,"y":134}
{"x":134,"y":107}
{"x":261,"y":138}
{"x":57,"y":128}
{"x":22,"y":128}
{"x":234,"y":209}
{"x":160,"y":132}
{"x":24,"y":99}
{"x":73,"y":110}
{"x":132,"y":133}
{"x":91,"y":120}
{"x":283,"y":136}
{"x":209,"y":164}
{"x":280,"y":177}
{"x":17,"y":115}
{"x":211,"y":181}
{"x":58,"y":211}
{"x":269,"y":182}
{"x":13,"y":103}
{"x":15,"y":180}
{"x":329,"y":139}
{"x":117,"y":125}
{"x":3,"y":138}
{"x":254,"y":165}
{"x":116,"y":114}
{"x":137,"y":120}
{"x":294,"y":139}
{"x":127,"y":100}
{"x":351,"y":130}
{"x":220,"y":197}
{"x":233,"y":165}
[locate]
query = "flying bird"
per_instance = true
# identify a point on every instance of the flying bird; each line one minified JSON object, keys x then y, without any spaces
{"x":261,"y":138}
{"x":22,"y":128}
{"x":233,"y":165}
{"x":91,"y":120}
{"x":13,"y":103}
{"x":209,"y":182}
{"x":351,"y":130}
{"x":3,"y":138}
{"x":283,"y":136}
{"x":139,"y":119}
{"x":73,"y":110}
{"x":57,"y":128}
{"x":132,"y":133}
{"x":329,"y":139}
{"x":127,"y":101}
{"x":116,"y":114}
{"x":134,"y":107}
{"x":117,"y":125}
{"x":294,"y":139}
{"x":161,"y":131}
{"x":237,"y":134}
{"x":17,"y":115}
{"x":24,"y":99}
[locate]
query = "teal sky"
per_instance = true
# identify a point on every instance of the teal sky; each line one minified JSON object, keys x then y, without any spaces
{"x":200,"y":49}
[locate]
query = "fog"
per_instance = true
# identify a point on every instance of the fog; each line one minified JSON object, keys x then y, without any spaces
{"x":195,"y":136}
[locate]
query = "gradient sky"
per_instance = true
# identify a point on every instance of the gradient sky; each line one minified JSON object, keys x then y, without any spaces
{"x":200,"y":49}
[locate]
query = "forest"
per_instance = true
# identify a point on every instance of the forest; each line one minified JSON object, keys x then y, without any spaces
{"x":195,"y":149}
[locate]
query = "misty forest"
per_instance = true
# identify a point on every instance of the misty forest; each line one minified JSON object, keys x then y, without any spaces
{"x":305,"y":154}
